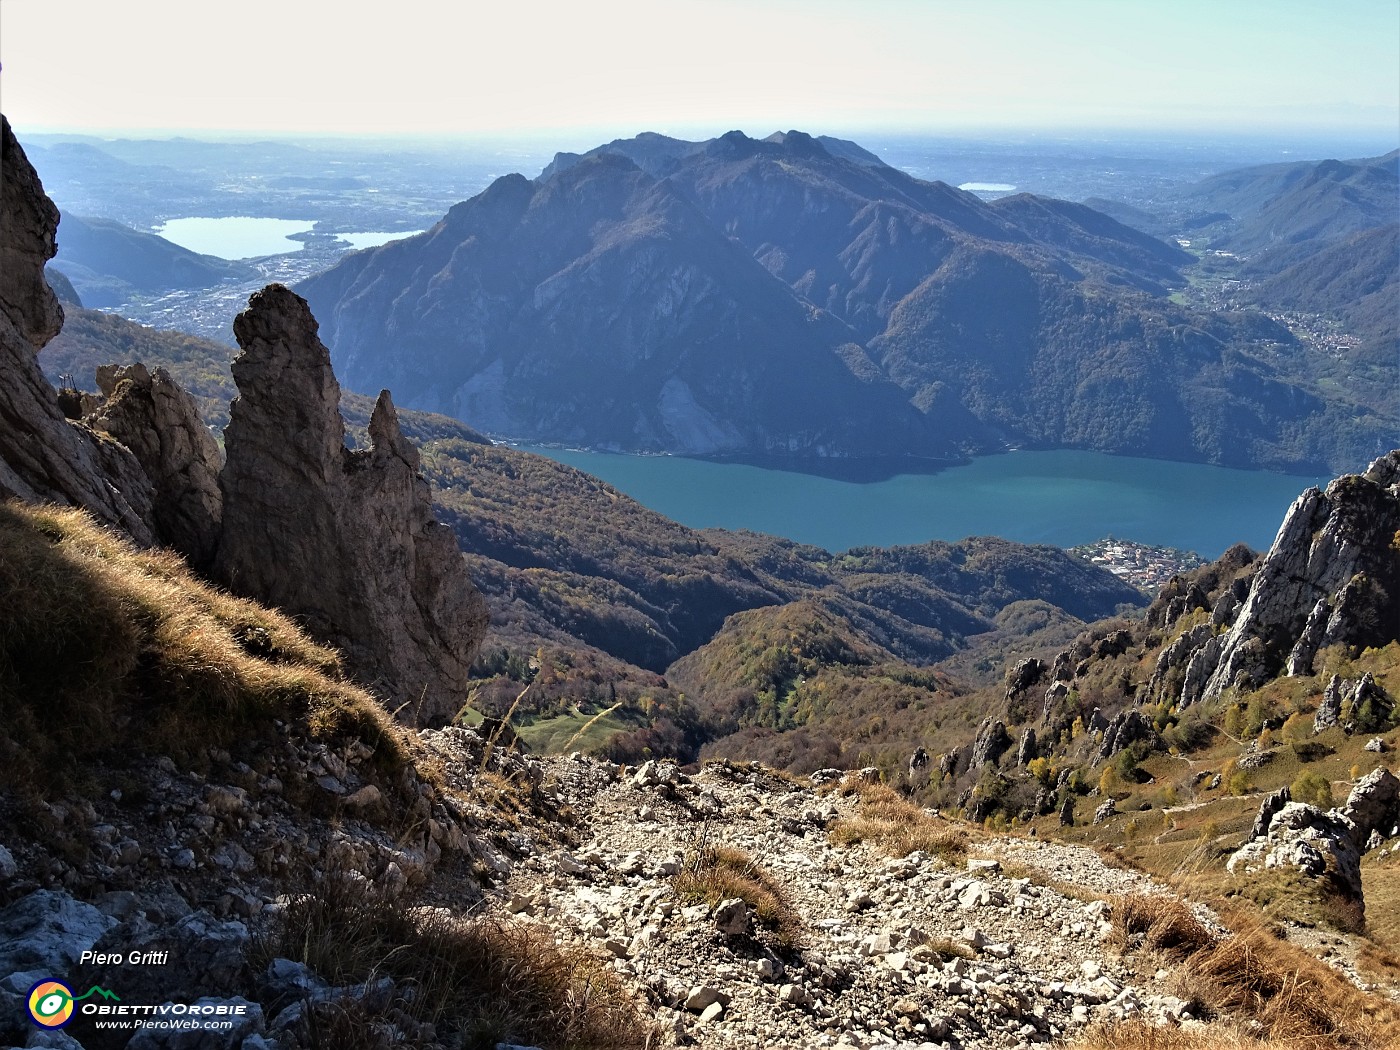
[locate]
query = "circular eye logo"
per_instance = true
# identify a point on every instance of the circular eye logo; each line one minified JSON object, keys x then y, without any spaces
{"x":51,"y":1004}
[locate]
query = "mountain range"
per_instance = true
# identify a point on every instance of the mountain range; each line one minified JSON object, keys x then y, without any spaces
{"x":795,"y":296}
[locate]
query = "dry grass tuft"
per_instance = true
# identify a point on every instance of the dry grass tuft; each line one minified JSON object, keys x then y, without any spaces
{"x":1288,"y":991}
{"x":105,"y":646}
{"x":1165,"y":923}
{"x":477,"y":981}
{"x":899,"y":827}
{"x":1138,"y":1035}
{"x":713,"y":873}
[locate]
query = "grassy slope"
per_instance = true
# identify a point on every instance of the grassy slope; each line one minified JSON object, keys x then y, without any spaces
{"x":106,"y":648}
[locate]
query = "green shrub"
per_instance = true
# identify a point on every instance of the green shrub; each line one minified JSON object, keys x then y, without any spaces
{"x":1313,"y":788}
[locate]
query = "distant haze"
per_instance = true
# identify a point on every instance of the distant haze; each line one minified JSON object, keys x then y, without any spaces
{"x":698,"y":67}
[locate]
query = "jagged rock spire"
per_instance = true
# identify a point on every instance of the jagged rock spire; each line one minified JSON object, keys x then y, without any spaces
{"x":346,"y":541}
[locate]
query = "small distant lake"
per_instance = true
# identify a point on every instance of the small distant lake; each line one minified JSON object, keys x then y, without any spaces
{"x":988,"y":187}
{"x":1061,"y":498}
{"x":237,"y":236}
{"x":374,"y":240}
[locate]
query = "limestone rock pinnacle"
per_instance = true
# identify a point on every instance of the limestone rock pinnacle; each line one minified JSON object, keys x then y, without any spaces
{"x":345,"y":541}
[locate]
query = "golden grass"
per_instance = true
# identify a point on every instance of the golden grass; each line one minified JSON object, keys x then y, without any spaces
{"x":106,"y":647}
{"x":713,"y":873}
{"x":478,"y":979}
{"x":893,"y":823}
{"x":1250,"y":976}
{"x":1138,"y":1035}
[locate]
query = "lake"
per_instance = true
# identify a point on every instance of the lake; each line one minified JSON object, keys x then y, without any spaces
{"x":1062,"y":498}
{"x":236,"y":236}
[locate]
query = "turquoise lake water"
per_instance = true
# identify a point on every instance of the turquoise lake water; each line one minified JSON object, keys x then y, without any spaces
{"x":1061,"y":498}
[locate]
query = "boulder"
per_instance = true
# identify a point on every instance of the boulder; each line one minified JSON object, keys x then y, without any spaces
{"x":732,"y":917}
{"x":345,"y":541}
{"x":204,"y":954}
{"x":48,"y":930}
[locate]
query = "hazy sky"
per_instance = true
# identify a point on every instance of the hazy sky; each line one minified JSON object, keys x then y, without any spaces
{"x":701,"y":65}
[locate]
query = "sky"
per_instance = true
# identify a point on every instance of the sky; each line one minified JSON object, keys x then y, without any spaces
{"x":462,"y":67}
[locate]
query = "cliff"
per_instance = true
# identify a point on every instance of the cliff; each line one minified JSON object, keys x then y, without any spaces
{"x":345,"y":540}
{"x":43,"y":455}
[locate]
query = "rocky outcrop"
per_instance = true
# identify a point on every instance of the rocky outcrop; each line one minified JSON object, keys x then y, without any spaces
{"x":1373,"y":805}
{"x":43,"y":456}
{"x":346,"y":541}
{"x":991,"y":743}
{"x":1289,"y":834}
{"x":1329,"y":711}
{"x":1126,"y":728}
{"x":1366,"y":703}
{"x":1267,"y":810}
{"x":1026,"y":748}
{"x":1024,"y":675}
{"x":1303,"y":837}
{"x":1331,"y":577}
{"x":149,"y":414}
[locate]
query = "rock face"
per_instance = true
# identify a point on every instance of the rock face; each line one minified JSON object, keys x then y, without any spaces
{"x":1331,"y":577}
{"x":1127,"y":727}
{"x":149,"y":414}
{"x":344,"y":540}
{"x":1374,"y":804}
{"x":44,"y":457}
{"x":1329,"y":711}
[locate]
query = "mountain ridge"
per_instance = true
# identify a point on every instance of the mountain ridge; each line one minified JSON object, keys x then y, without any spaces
{"x":885,"y":316}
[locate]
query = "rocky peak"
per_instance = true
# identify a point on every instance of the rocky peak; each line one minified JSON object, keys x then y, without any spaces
{"x":1331,"y":577}
{"x":346,"y":541}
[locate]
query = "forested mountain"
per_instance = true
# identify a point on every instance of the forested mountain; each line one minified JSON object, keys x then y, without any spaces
{"x":1355,"y":279}
{"x":1275,"y":206}
{"x":793,"y":296}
